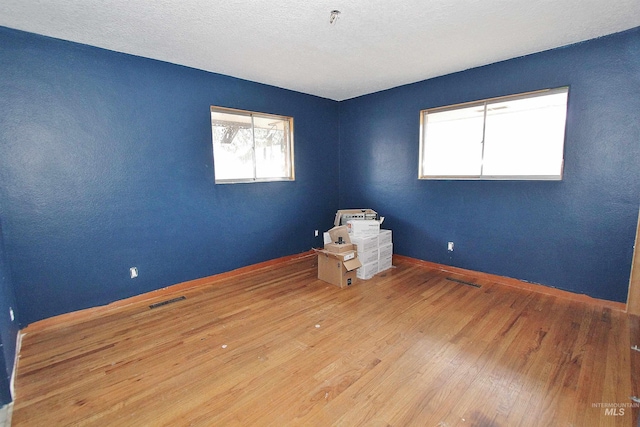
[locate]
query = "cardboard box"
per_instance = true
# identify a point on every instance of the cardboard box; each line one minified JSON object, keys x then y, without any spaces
{"x":384,"y":238}
{"x":367,"y":257}
{"x":336,"y":234}
{"x":365,"y":243}
{"x":385,"y":263}
{"x":385,"y":251}
{"x":339,"y":247}
{"x":367,"y":271}
{"x":339,"y":269}
{"x":344,"y":215}
{"x":365,"y":227}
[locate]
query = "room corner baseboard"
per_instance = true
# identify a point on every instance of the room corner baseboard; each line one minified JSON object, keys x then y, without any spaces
{"x":82,"y":315}
{"x":520,"y":284}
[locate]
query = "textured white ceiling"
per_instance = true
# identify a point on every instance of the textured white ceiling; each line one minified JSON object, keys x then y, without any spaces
{"x":374,"y":45}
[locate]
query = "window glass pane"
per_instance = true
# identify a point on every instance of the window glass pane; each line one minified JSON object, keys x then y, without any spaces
{"x":232,"y":146}
{"x":525,"y":137}
{"x":453,"y":142}
{"x":272,"y":154}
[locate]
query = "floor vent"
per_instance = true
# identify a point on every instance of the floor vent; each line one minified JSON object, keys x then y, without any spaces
{"x":170,"y":301}
{"x":462,"y":282}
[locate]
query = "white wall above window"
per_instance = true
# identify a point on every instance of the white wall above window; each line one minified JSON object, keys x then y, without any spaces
{"x":518,"y":137}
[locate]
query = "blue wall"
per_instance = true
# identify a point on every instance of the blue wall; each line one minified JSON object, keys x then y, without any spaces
{"x":106,"y":163}
{"x":8,"y":328}
{"x":577,"y":234}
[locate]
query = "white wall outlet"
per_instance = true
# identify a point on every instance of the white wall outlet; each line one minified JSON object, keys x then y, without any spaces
{"x":450,"y":246}
{"x":13,"y":317}
{"x":133,"y":271}
{"x":315,"y":233}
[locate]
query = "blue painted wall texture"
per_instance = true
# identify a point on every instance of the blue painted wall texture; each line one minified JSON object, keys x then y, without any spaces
{"x":106,"y":163}
{"x":8,"y":327}
{"x":577,"y":234}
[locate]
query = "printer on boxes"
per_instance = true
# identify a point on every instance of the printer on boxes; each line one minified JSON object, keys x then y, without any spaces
{"x":344,"y":215}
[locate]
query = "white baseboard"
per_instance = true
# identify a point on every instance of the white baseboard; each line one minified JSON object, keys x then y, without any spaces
{"x":6,"y":412}
{"x":15,"y":365}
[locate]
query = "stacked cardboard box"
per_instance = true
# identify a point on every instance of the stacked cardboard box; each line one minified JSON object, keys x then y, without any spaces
{"x":385,"y":250}
{"x":367,"y":247}
{"x":374,"y":247}
{"x":356,"y":248}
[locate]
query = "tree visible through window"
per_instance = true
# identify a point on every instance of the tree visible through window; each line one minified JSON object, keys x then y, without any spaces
{"x":251,"y":147}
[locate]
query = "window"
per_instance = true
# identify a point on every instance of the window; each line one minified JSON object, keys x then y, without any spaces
{"x":251,"y":147}
{"x":516,"y":137}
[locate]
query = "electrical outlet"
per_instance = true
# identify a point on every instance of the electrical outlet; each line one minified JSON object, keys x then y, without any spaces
{"x":450,"y":246}
{"x":315,"y":233}
{"x":13,"y":317}
{"x":133,"y":271}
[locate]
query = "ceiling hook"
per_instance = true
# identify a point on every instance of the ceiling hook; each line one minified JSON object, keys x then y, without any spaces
{"x":333,"y":16}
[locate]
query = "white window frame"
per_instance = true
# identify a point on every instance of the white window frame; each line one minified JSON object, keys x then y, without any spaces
{"x":289,"y":153}
{"x":485,"y":103}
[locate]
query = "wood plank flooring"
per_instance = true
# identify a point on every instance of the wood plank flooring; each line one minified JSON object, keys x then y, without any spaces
{"x":278,"y":347}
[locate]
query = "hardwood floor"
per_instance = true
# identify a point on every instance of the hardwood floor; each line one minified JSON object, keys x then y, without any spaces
{"x":278,"y":347}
